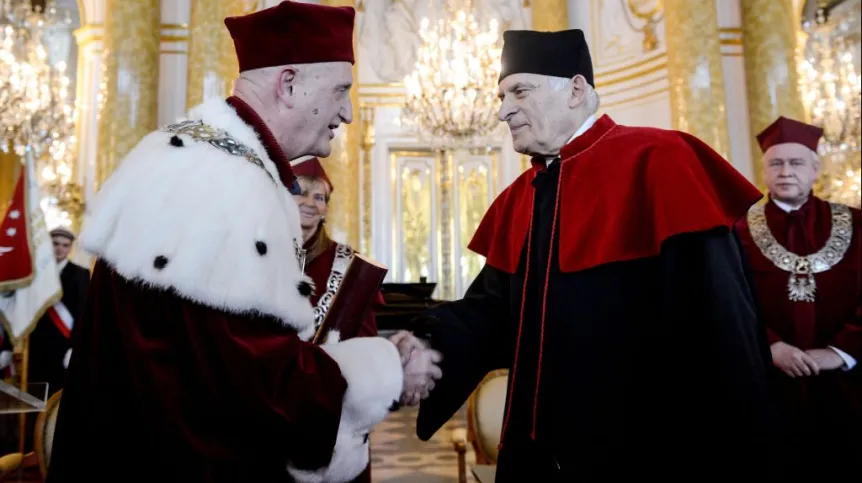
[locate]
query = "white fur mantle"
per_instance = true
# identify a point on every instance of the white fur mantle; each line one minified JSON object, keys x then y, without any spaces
{"x":204,"y":210}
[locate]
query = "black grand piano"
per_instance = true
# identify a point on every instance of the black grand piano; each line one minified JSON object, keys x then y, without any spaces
{"x":403,"y":302}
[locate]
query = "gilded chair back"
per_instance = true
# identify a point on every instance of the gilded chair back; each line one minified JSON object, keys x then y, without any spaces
{"x":45,"y":425}
{"x":485,"y":415}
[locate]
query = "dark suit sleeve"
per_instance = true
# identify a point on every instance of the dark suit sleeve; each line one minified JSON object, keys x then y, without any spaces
{"x":471,"y":335}
{"x":717,"y":370}
{"x":78,"y":293}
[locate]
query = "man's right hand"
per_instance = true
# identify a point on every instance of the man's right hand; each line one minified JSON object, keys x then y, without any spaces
{"x":793,"y":361}
{"x":420,"y":367}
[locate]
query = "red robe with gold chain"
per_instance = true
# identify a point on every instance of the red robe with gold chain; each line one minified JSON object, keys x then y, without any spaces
{"x":830,"y":236}
{"x":329,"y":266}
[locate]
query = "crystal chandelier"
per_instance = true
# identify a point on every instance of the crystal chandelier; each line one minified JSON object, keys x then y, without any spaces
{"x":36,"y":117}
{"x":452,"y":94}
{"x":831,"y":86}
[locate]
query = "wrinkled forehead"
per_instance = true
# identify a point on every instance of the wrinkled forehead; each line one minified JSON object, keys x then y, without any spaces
{"x":515,"y":81}
{"x":327,"y":73}
{"x":788,"y":151}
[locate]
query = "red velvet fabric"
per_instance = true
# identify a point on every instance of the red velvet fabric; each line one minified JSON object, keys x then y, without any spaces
{"x":273,"y":150}
{"x":623,"y":192}
{"x":312,"y":168}
{"x":292,"y":33}
{"x":785,"y":130}
{"x":820,"y":417}
{"x":162,"y":388}
{"x":319,"y":268}
{"x":16,"y":261}
{"x":835,"y":318}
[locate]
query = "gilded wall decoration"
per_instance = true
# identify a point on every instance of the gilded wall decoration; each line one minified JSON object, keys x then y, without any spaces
{"x":694,"y":68}
{"x":769,"y":45}
{"x":416,"y":194}
{"x":390,"y":30}
{"x":212,"y":60}
{"x":624,"y":31}
{"x":130,"y":77}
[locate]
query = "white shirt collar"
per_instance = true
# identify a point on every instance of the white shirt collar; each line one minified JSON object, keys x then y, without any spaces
{"x":786,"y":207}
{"x":584,"y":127}
{"x":62,"y":264}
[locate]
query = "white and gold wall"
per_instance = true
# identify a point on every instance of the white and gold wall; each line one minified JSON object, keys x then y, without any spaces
{"x":720,"y":69}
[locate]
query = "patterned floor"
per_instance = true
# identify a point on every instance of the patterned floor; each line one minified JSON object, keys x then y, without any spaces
{"x":398,"y":456}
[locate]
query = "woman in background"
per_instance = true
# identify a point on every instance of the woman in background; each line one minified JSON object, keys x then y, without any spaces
{"x":325,"y":259}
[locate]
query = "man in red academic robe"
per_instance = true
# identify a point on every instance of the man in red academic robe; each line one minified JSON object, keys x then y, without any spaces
{"x":806,"y":259}
{"x":191,"y":361}
{"x":614,"y":291}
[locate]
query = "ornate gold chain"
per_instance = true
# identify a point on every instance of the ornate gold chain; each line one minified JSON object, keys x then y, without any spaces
{"x":218,"y":138}
{"x":801,"y":287}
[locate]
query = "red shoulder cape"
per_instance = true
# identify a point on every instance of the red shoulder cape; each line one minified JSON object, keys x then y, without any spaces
{"x":623,"y":191}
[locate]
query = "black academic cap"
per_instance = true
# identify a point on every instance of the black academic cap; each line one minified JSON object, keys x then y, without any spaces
{"x":558,"y":54}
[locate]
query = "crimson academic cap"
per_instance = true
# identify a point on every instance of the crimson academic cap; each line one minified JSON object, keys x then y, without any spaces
{"x":556,"y":54}
{"x":312,"y":168}
{"x":292,"y":33}
{"x":785,"y":130}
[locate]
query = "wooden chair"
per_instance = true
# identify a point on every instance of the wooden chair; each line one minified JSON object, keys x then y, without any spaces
{"x":43,"y":440}
{"x":485,"y":410}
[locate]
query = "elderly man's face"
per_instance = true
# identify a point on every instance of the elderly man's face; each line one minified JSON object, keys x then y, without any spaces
{"x":539,"y":116}
{"x":322,"y":103}
{"x":789,"y":170}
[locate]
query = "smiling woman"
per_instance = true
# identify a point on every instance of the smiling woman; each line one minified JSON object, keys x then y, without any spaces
{"x":326,"y":260}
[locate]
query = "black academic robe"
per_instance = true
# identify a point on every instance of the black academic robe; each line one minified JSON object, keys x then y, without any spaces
{"x":636,"y":366}
{"x":48,"y":343}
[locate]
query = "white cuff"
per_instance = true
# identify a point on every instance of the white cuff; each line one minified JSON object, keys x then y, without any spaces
{"x":67,"y":358}
{"x":849,"y":361}
{"x":372,"y":368}
{"x":5,"y":359}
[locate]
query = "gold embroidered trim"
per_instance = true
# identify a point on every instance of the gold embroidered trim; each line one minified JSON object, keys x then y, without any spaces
{"x":801,"y":287}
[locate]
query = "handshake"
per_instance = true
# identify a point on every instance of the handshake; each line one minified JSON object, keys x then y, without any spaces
{"x":420,"y":367}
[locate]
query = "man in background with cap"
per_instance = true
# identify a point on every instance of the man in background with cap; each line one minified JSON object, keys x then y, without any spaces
{"x":614,"y":291}
{"x":806,"y":260}
{"x":192,"y":361}
{"x":50,"y":341}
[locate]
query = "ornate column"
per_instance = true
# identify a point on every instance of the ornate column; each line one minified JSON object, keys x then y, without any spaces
{"x":131,"y":76}
{"x":173,"y":60}
{"x":87,"y":98}
{"x":550,"y":15}
{"x":694,"y":68}
{"x":769,"y":46}
{"x":366,"y":117}
{"x":343,"y":164}
{"x":212,"y":65}
{"x":733,"y":67}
